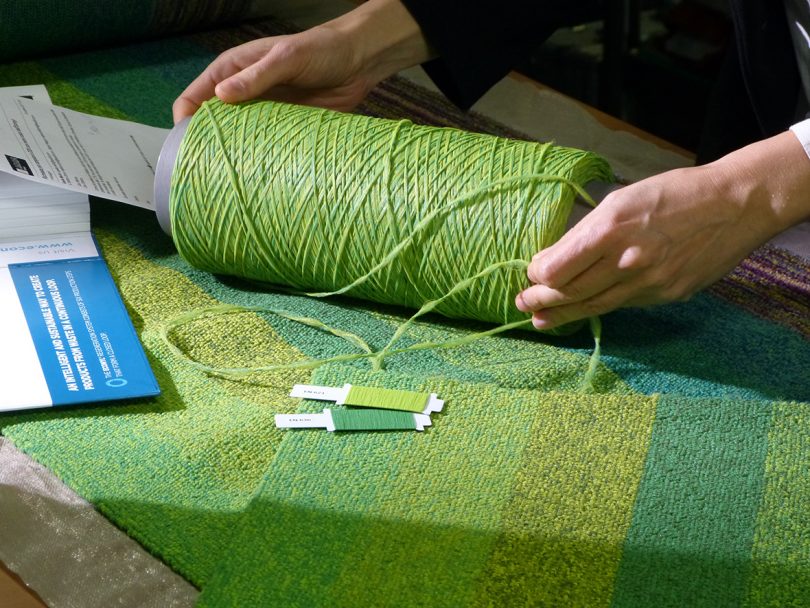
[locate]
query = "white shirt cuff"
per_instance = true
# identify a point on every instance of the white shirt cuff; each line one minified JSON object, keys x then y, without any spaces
{"x":802,"y":131}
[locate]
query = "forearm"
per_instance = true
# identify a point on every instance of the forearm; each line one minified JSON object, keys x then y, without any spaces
{"x":387,"y":38}
{"x":769,"y":181}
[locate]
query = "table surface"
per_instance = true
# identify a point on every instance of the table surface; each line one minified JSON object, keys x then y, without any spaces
{"x":14,"y":593}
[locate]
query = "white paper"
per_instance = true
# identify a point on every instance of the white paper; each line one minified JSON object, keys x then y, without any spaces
{"x":112,"y":159}
{"x":34,"y":92}
{"x":32,"y":210}
{"x":305,"y":421}
{"x":39,"y":223}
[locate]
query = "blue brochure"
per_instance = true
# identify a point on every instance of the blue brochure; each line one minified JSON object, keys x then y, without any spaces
{"x":65,"y":335}
{"x":84,"y":340}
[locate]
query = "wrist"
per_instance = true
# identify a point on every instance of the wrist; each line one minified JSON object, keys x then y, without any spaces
{"x":769,"y":182}
{"x":384,"y":36}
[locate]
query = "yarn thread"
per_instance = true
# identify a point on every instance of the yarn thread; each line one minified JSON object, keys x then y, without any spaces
{"x":326,"y":203}
{"x":387,"y":399}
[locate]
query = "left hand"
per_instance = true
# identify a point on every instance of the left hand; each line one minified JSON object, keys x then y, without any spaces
{"x":669,"y":236}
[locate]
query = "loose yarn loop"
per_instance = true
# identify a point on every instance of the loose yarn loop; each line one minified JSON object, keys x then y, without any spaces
{"x":436,"y":219}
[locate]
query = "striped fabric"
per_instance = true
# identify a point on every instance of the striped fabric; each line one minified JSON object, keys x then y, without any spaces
{"x":42,"y":27}
{"x":684,"y":481}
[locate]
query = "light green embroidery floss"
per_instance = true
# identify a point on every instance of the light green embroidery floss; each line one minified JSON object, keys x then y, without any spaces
{"x":386,"y":398}
{"x":326,"y":203}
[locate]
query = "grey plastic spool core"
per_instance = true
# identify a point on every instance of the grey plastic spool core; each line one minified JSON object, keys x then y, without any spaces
{"x":163,"y":173}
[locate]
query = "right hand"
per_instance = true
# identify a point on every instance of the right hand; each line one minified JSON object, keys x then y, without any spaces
{"x":666,"y":237}
{"x":333,"y":66}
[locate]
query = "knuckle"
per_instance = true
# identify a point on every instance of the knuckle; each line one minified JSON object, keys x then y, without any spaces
{"x":636,"y":257}
{"x":544,"y":275}
{"x":613,"y":197}
{"x":657,"y":280}
{"x":572,"y":292}
{"x":224,"y":59}
{"x":677,"y":293}
{"x":597,"y":306}
{"x":285,"y":48}
{"x":537,"y":273}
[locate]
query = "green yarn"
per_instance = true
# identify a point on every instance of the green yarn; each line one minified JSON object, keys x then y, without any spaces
{"x":372,"y":420}
{"x":165,"y":334}
{"x":382,"y":210}
{"x":326,"y":203}
{"x":387,"y":398}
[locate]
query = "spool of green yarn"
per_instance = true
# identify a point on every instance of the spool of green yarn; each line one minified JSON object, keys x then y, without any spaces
{"x":383,"y":210}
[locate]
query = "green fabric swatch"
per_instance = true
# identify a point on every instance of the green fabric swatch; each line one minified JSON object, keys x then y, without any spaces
{"x":694,"y":519}
{"x":780,"y":557}
{"x":524,"y":492}
{"x":466,"y":513}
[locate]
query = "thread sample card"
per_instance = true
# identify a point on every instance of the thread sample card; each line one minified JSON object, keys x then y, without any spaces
{"x":384,"y":409}
{"x":387,"y":398}
{"x":342,"y":419}
{"x":373,"y":397}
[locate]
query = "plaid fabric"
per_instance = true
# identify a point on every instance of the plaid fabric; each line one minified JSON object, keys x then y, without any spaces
{"x":683,"y":482}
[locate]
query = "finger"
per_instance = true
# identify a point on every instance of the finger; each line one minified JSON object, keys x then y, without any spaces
{"x":600,"y":277}
{"x":182,"y":108}
{"x":607,"y":301}
{"x":189,"y":101}
{"x":573,"y":254}
{"x":202,"y":88}
{"x":223,"y":67}
{"x":280,"y":64}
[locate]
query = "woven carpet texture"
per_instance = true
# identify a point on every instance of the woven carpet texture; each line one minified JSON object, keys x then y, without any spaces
{"x":682,"y":481}
{"x":41,"y":28}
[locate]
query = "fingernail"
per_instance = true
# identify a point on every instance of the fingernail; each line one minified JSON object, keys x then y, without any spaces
{"x":540,"y":323}
{"x":520,"y":304}
{"x":229,"y":88}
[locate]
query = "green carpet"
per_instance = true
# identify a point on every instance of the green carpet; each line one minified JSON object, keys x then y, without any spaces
{"x":44,"y":27}
{"x":682,"y":482}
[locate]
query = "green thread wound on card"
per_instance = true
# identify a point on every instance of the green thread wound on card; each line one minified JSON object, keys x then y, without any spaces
{"x":386,"y":398}
{"x":372,"y":420}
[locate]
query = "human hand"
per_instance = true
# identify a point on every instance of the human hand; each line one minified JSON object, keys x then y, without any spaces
{"x":666,"y":237}
{"x":332,"y":66}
